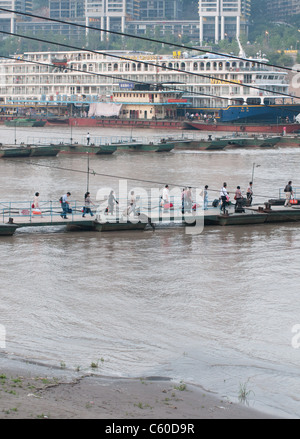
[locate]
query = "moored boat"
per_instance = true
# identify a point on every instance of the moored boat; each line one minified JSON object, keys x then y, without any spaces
{"x":76,"y":148}
{"x":7,"y":229}
{"x":44,"y":151}
{"x":251,"y":142}
{"x":15,"y":152}
{"x":25,"y":123}
{"x":289,"y":141}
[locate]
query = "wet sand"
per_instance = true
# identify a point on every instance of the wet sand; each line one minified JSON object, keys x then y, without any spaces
{"x":36,"y":392}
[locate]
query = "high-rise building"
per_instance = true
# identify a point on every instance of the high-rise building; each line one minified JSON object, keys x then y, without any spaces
{"x":67,"y":9}
{"x":161,"y":10}
{"x":8,"y":19}
{"x":221,"y":19}
{"x":281,"y":9}
{"x":110,"y":14}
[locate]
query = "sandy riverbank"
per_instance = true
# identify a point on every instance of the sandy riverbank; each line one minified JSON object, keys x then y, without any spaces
{"x":32,"y":392}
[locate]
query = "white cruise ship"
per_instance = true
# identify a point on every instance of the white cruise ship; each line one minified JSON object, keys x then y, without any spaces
{"x":82,"y":77}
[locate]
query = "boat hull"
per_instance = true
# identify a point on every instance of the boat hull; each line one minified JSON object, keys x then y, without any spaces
{"x":15,"y":152}
{"x":44,"y":151}
{"x":25,"y":123}
{"x":119,"y":227}
{"x":84,"y":149}
{"x":244,"y":128}
{"x":7,"y":229}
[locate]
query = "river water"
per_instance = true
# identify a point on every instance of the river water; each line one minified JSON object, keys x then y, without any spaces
{"x":215,"y":309}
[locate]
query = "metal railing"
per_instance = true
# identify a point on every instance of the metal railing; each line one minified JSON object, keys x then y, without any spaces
{"x":107,"y":140}
{"x":51,"y":212}
{"x":296,"y":191}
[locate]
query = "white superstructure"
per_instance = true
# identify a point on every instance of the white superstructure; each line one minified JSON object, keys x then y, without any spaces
{"x":95,"y":76}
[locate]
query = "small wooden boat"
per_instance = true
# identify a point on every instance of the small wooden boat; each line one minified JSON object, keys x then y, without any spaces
{"x":25,"y":123}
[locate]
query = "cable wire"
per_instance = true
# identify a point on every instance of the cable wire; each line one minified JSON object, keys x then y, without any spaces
{"x":146,"y":63}
{"x":181,"y":46}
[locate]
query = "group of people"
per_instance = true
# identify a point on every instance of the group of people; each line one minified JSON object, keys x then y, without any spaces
{"x":187,"y":204}
{"x":238,"y":197}
{"x":66,"y":208}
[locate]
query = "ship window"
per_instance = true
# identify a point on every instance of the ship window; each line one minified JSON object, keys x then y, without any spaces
{"x":208,"y":66}
{"x":202,"y":66}
{"x":195,"y":66}
{"x":115,"y":67}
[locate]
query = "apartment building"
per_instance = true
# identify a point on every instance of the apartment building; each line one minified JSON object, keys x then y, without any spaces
{"x":8,"y":19}
{"x":281,"y":9}
{"x":220,"y":19}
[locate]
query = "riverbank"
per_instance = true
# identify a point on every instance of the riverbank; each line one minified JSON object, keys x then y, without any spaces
{"x":30,"y":391}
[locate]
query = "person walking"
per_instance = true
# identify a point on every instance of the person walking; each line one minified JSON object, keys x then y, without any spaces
{"x":88,"y":138}
{"x":205,"y":198}
{"x":87,"y":204}
{"x":224,"y":198}
{"x":188,"y":199}
{"x":36,"y":210}
{"x":111,"y":202}
{"x":239,"y":200}
{"x":250,"y":194}
{"x":65,"y":205}
{"x":289,"y":193}
{"x":132,"y":204}
{"x":183,"y":194}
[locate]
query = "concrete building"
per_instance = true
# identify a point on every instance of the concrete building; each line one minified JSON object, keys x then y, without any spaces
{"x":220,"y":19}
{"x":161,"y":10}
{"x":7,"y":19}
{"x":110,"y":14}
{"x":281,"y":9}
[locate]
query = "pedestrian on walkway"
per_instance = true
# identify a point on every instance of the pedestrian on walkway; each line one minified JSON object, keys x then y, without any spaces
{"x":87,"y":204}
{"x":111,"y":202}
{"x":65,"y":204}
{"x":289,"y":193}
{"x":224,"y":198}
{"x":205,"y":198}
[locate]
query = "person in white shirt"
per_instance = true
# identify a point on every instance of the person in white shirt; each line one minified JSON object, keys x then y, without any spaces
{"x":224,"y":195}
{"x":166,"y":195}
{"x":132,"y":203}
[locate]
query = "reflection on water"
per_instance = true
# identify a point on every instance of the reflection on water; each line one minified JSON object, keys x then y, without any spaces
{"x":215,"y":309}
